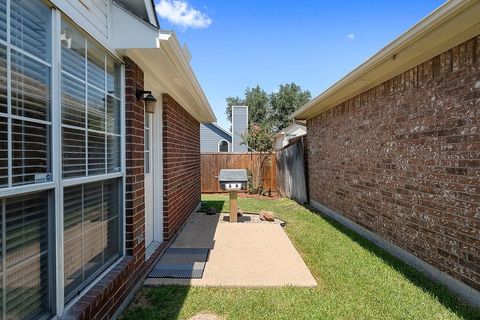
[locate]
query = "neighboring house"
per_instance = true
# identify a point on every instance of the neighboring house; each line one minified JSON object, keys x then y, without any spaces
{"x":393,"y":152}
{"x":283,"y":138}
{"x":91,"y":185}
{"x":214,"y":138}
{"x":239,"y":128}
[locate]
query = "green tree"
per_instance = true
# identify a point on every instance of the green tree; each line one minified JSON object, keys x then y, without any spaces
{"x":260,"y":140}
{"x":233,"y":101}
{"x":283,"y":103}
{"x":258,"y":103}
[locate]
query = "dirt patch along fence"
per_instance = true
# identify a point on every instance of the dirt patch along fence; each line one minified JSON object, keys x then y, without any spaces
{"x":291,"y":171}
{"x":212,"y":163}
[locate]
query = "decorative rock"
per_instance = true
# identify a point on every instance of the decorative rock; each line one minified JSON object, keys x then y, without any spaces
{"x":267,"y":216}
{"x":211,"y":211}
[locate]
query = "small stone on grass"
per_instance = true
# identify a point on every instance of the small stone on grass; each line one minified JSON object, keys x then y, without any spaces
{"x":267,"y":216}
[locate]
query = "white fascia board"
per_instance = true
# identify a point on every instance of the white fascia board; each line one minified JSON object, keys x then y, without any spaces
{"x":152,"y":15}
{"x":448,"y":26}
{"x":128,"y":31}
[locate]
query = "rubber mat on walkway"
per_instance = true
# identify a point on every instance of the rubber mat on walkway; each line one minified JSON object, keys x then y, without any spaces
{"x":187,"y":263}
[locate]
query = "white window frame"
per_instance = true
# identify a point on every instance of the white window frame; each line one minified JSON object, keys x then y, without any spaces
{"x":57,"y":185}
{"x":218,"y":146}
{"x":61,"y":306}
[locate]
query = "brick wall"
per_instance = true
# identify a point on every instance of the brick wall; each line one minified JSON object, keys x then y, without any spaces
{"x":403,"y":160}
{"x":181,"y":165}
{"x":106,"y":296}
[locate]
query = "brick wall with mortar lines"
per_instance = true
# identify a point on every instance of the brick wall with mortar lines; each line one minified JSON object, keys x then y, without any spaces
{"x":106,"y":296}
{"x":403,"y":161}
{"x":181,"y":165}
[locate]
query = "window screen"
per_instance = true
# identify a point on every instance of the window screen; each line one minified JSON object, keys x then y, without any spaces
{"x":91,"y":232}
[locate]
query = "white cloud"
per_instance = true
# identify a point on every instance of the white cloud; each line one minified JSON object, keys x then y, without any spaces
{"x":180,"y":12}
{"x":351,"y":36}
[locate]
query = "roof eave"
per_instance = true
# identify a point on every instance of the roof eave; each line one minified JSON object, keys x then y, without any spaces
{"x":177,"y":54}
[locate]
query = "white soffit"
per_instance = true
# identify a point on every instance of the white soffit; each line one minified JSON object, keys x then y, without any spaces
{"x":450,"y":25}
{"x":128,"y":31}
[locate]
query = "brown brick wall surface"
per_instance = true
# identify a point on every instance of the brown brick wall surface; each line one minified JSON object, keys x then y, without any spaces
{"x":181,"y":165}
{"x":106,"y":296}
{"x":403,"y":161}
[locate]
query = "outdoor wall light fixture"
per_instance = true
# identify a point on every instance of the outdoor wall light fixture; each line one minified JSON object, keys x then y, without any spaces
{"x":149,"y":100}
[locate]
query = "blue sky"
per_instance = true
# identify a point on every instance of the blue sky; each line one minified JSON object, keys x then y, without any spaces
{"x":236,"y":44}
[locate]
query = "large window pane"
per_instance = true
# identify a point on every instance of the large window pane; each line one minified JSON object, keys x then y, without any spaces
{"x":73,"y":211}
{"x":92,"y":250}
{"x":98,"y":244}
{"x":73,"y":50}
{"x":73,"y":153}
{"x":30,"y":151}
{"x":30,"y":88}
{"x":96,"y":65}
{"x":113,"y":76}
{"x":30,"y":27}
{"x":3,"y":20}
{"x":73,"y":216}
{"x":96,"y":153}
{"x":73,"y":264}
{"x":96,"y":109}
{"x":3,"y":152}
{"x":113,"y":115}
{"x":111,"y":239}
{"x":73,"y":102}
{"x":26,"y":220}
{"x":100,"y":107}
{"x":113,"y":154}
{"x":93,"y":205}
{"x":3,"y":79}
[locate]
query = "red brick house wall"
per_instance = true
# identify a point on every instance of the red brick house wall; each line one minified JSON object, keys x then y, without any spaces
{"x":181,"y":165}
{"x":403,"y":161}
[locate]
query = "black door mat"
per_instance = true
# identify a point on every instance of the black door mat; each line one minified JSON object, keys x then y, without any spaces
{"x":185,"y":263}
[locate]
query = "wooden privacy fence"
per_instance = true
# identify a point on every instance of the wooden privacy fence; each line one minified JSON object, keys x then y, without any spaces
{"x":291,"y":177}
{"x":211,"y":163}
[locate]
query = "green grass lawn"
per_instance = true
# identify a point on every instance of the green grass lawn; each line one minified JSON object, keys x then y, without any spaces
{"x":357,"y":280}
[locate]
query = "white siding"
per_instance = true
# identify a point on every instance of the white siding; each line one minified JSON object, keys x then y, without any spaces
{"x":91,"y":15}
{"x":210,"y":136}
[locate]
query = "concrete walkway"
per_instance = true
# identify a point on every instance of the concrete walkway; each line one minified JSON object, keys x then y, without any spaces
{"x":242,"y":254}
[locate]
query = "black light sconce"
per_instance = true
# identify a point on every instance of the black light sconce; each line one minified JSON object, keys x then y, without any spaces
{"x":149,"y":100}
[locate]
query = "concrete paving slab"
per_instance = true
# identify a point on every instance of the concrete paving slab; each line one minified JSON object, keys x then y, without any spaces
{"x":242,"y":255}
